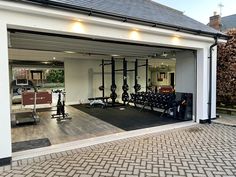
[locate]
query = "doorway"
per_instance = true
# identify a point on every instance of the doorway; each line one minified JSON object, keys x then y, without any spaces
{"x":172,"y":79}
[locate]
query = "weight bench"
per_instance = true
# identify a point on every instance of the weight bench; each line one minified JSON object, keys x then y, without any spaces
{"x":103,"y":101}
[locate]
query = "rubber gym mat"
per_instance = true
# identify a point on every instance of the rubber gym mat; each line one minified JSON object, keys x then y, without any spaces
{"x":127,"y":117}
{"x":31,"y":144}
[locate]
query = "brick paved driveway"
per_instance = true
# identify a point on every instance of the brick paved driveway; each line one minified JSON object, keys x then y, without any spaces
{"x":202,"y":150}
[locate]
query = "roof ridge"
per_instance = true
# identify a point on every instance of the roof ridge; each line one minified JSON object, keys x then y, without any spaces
{"x":156,"y":3}
{"x":229,"y":15}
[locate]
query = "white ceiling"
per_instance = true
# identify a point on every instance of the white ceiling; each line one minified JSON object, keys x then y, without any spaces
{"x":38,"y":47}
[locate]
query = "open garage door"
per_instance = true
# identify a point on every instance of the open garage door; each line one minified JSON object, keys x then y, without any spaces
{"x":109,"y":86}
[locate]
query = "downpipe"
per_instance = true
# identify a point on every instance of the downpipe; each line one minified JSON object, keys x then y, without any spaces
{"x":210,"y":80}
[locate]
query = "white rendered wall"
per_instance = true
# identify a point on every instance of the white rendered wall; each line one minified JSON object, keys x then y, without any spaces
{"x":186,"y":74}
{"x":5,"y":128}
{"x":202,"y":84}
{"x":214,"y":77}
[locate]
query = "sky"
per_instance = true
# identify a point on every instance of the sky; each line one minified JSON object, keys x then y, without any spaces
{"x":201,"y":10}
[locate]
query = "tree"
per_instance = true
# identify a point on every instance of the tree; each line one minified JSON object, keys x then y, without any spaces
{"x":55,"y":76}
{"x":226,"y":71}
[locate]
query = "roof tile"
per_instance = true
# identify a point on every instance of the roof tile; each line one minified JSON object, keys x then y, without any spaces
{"x":143,"y":10}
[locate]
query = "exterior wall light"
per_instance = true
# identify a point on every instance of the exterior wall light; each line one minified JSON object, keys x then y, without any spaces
{"x":175,"y":39}
{"x":77,"y":27}
{"x":134,"y":35}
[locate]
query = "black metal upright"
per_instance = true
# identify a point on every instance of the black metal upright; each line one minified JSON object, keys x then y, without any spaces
{"x":146,"y":75}
{"x":103,"y":79}
{"x":136,"y":75}
{"x":125,"y":95}
{"x":124,"y":72}
{"x":113,"y":80}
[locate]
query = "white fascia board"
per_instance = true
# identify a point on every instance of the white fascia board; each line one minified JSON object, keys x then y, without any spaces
{"x":63,"y":14}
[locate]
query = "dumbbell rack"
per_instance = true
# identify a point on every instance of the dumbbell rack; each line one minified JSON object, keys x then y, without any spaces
{"x":166,"y":102}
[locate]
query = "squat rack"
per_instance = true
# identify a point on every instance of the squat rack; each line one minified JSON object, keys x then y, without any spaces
{"x":137,"y":86}
{"x":102,"y":87}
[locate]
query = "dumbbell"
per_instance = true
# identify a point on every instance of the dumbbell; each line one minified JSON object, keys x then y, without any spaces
{"x":113,"y":96}
{"x":137,"y":87}
{"x":125,"y":87}
{"x":125,"y":96}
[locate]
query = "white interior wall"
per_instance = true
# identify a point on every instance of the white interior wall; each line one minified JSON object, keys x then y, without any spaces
{"x":118,"y":79}
{"x":186,"y":74}
{"x":154,"y":78}
{"x":83,"y":78}
{"x":142,"y":76}
{"x":130,"y":77}
{"x":79,"y":80}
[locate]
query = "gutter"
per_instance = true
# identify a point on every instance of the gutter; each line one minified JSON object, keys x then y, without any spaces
{"x":210,"y":80}
{"x":114,"y":16}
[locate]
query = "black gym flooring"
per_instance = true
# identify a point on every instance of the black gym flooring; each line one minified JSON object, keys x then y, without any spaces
{"x":129,"y":118}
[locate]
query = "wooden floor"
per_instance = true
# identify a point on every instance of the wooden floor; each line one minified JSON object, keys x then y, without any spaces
{"x":81,"y":126}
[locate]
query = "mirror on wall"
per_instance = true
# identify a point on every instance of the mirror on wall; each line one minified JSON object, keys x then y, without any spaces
{"x":162,"y":73}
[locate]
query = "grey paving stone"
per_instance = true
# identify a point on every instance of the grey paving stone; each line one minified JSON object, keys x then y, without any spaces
{"x":202,"y":150}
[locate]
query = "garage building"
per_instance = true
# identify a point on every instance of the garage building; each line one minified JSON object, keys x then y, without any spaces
{"x":81,"y":34}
